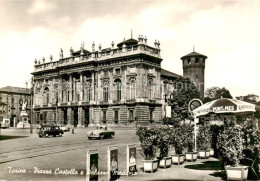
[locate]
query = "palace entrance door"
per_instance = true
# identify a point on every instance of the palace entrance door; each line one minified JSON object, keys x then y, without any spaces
{"x":75,"y":118}
{"x":86,"y":116}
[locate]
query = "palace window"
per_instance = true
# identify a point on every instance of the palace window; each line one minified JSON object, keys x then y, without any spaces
{"x":62,"y":99}
{"x":72,"y":93}
{"x":150,"y":89}
{"x":132,"y":88}
{"x":197,"y":60}
{"x":105,"y":91}
{"x":68,"y":96}
{"x":117,"y":71}
{"x":118,"y":86}
{"x":46,"y":95}
{"x":116,"y":116}
{"x":104,"y":116}
{"x":105,"y":73}
{"x":131,"y":115}
{"x":88,"y":91}
{"x":151,"y":114}
{"x":56,"y":97}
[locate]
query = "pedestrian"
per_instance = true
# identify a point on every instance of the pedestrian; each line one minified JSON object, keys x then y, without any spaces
{"x":72,"y":131}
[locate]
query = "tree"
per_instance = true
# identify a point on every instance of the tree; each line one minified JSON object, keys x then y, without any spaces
{"x":184,"y":92}
{"x":214,"y":93}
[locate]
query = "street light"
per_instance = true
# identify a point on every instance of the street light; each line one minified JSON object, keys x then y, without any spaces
{"x":31,"y":93}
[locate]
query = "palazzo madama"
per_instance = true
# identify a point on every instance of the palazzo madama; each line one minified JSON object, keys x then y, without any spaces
{"x":123,"y":84}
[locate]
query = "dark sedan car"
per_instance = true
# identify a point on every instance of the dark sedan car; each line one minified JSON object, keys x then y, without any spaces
{"x":47,"y":131}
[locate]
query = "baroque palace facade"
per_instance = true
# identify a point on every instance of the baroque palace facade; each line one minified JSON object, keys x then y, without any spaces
{"x":123,"y":84}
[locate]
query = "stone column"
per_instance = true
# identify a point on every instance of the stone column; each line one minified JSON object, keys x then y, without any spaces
{"x":81,"y":86}
{"x":70,"y":88}
{"x":70,"y":116}
{"x":80,"y":117}
{"x":91,"y":119}
{"x":59,"y":116}
{"x":93,"y":85}
{"x":74,"y":89}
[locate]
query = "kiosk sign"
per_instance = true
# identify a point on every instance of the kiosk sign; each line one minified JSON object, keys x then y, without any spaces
{"x":92,"y":165}
{"x":112,"y":155}
{"x":131,"y":159}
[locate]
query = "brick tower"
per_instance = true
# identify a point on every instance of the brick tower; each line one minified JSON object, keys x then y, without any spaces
{"x":193,"y":67}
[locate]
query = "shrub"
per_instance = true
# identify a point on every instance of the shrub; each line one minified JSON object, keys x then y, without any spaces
{"x":149,"y":141}
{"x":230,"y":144}
{"x":204,"y":137}
{"x":190,"y":137}
{"x":179,"y":137}
{"x":251,"y":147}
{"x":163,"y":140}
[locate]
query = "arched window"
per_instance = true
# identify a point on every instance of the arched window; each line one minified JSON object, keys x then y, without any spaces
{"x":46,"y":95}
{"x":105,"y":91}
{"x":118,"y":86}
{"x":132,"y":88}
{"x":150,"y":89}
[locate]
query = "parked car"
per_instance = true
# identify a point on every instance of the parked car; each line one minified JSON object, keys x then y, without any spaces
{"x":64,"y":128}
{"x":46,"y":131}
{"x":101,"y":132}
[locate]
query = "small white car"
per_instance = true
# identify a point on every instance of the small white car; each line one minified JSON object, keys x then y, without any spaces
{"x":64,"y":128}
{"x":101,"y":132}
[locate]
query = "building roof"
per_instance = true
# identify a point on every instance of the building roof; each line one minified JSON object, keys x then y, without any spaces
{"x":128,"y":42}
{"x":193,"y":54}
{"x":12,"y":89}
{"x":169,"y":74}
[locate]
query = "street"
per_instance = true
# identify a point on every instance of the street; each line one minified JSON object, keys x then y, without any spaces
{"x":64,"y":158}
{"x":57,"y":158}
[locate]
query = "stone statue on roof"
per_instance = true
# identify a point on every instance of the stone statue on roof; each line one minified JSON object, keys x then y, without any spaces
{"x":61,"y":53}
{"x":71,"y":51}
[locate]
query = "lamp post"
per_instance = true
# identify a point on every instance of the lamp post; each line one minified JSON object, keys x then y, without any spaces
{"x":193,"y":104}
{"x":31,"y":94}
{"x":56,"y":117}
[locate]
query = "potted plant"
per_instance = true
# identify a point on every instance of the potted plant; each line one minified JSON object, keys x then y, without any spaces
{"x":190,"y":155}
{"x":203,"y":140}
{"x":149,"y":139}
{"x":178,"y":141}
{"x":230,"y":145}
{"x":251,"y":150}
{"x":163,"y":145}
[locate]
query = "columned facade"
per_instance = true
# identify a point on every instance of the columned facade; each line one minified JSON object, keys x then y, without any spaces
{"x":116,"y":85}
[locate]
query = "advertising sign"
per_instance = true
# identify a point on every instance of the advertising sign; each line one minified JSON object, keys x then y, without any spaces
{"x":92,"y":165}
{"x":112,"y":155}
{"x":131,"y":160}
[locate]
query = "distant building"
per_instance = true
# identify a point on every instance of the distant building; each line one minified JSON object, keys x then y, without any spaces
{"x":194,"y":68}
{"x":122,"y":84}
{"x":11,"y":100}
{"x":249,"y":98}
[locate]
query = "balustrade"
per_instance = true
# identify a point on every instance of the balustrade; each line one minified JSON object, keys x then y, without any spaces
{"x":135,"y":49}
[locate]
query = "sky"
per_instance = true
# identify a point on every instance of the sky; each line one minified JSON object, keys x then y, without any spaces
{"x":226,"y":31}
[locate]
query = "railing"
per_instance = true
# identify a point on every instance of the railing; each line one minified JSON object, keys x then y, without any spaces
{"x":135,"y":49}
